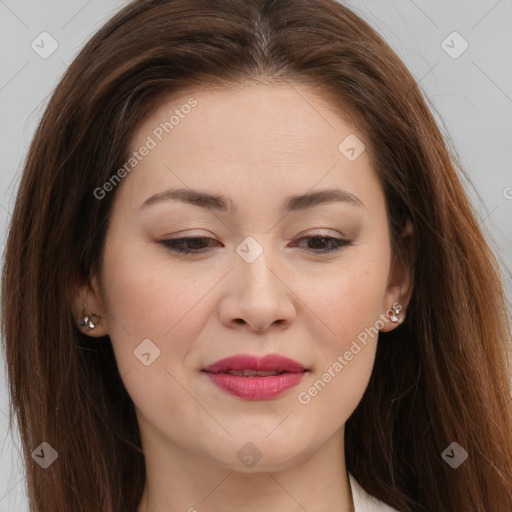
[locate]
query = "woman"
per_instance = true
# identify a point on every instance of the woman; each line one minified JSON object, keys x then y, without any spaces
{"x":242,"y":273}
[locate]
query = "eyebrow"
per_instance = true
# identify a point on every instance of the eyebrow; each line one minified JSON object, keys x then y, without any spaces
{"x":225,"y":204}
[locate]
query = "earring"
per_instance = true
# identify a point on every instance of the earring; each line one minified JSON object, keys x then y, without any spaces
{"x":87,"y":322}
{"x":394,"y":316}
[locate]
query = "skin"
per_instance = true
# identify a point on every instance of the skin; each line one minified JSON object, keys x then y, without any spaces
{"x":256,"y":144}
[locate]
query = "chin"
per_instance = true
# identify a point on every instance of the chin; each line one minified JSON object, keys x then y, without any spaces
{"x":261,"y":454}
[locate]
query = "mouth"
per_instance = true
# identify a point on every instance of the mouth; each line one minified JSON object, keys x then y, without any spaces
{"x":245,"y":365}
{"x":255,"y":373}
{"x":253,"y":378}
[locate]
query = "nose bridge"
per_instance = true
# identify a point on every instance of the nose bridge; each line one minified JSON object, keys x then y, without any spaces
{"x":258,"y":263}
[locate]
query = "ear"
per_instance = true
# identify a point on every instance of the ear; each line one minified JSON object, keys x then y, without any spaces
{"x":400,"y":281}
{"x":89,"y":295}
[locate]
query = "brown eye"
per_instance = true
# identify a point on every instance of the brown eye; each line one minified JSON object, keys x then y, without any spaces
{"x":191,"y":245}
{"x":199,"y":245}
{"x":317,"y":241}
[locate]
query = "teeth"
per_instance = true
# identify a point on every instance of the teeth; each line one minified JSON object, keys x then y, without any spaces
{"x":252,"y":373}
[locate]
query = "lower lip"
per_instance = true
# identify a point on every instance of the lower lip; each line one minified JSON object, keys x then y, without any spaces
{"x":256,"y":388}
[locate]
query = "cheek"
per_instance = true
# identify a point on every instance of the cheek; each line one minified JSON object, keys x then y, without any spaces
{"x":148,"y":299}
{"x":155,"y":312}
{"x":350,"y":305}
{"x":350,"y":297}
{"x":146,"y":291}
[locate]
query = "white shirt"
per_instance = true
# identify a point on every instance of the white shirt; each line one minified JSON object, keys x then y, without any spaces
{"x":363,"y":502}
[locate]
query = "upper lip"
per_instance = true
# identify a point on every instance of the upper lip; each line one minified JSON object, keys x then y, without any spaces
{"x":269,"y":362}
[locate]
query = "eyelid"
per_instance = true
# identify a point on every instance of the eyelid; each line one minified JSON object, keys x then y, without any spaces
{"x":307,"y":232}
{"x":313,"y":232}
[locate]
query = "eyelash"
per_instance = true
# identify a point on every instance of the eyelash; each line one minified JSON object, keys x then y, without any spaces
{"x":339,"y":243}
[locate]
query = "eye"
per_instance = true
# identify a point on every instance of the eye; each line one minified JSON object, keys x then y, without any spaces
{"x":196,"y":245}
{"x":176,"y":244}
{"x":318,"y":239}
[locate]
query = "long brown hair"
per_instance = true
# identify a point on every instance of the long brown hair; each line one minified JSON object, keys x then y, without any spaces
{"x":441,"y":377}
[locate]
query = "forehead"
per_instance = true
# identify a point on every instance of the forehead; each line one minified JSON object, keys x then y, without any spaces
{"x":241,"y":137}
{"x":248,"y":117}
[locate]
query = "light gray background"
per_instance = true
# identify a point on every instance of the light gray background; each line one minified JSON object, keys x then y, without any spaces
{"x":471,"y":97}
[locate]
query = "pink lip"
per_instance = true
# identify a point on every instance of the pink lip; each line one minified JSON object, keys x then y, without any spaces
{"x":256,"y":387}
{"x":247,"y":362}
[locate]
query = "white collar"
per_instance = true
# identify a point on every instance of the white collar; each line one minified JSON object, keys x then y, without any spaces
{"x":363,"y":502}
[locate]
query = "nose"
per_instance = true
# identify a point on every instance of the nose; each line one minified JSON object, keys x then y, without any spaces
{"x":258,"y":295}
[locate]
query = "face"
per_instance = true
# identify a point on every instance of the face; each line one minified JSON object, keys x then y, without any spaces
{"x":256,"y":280}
